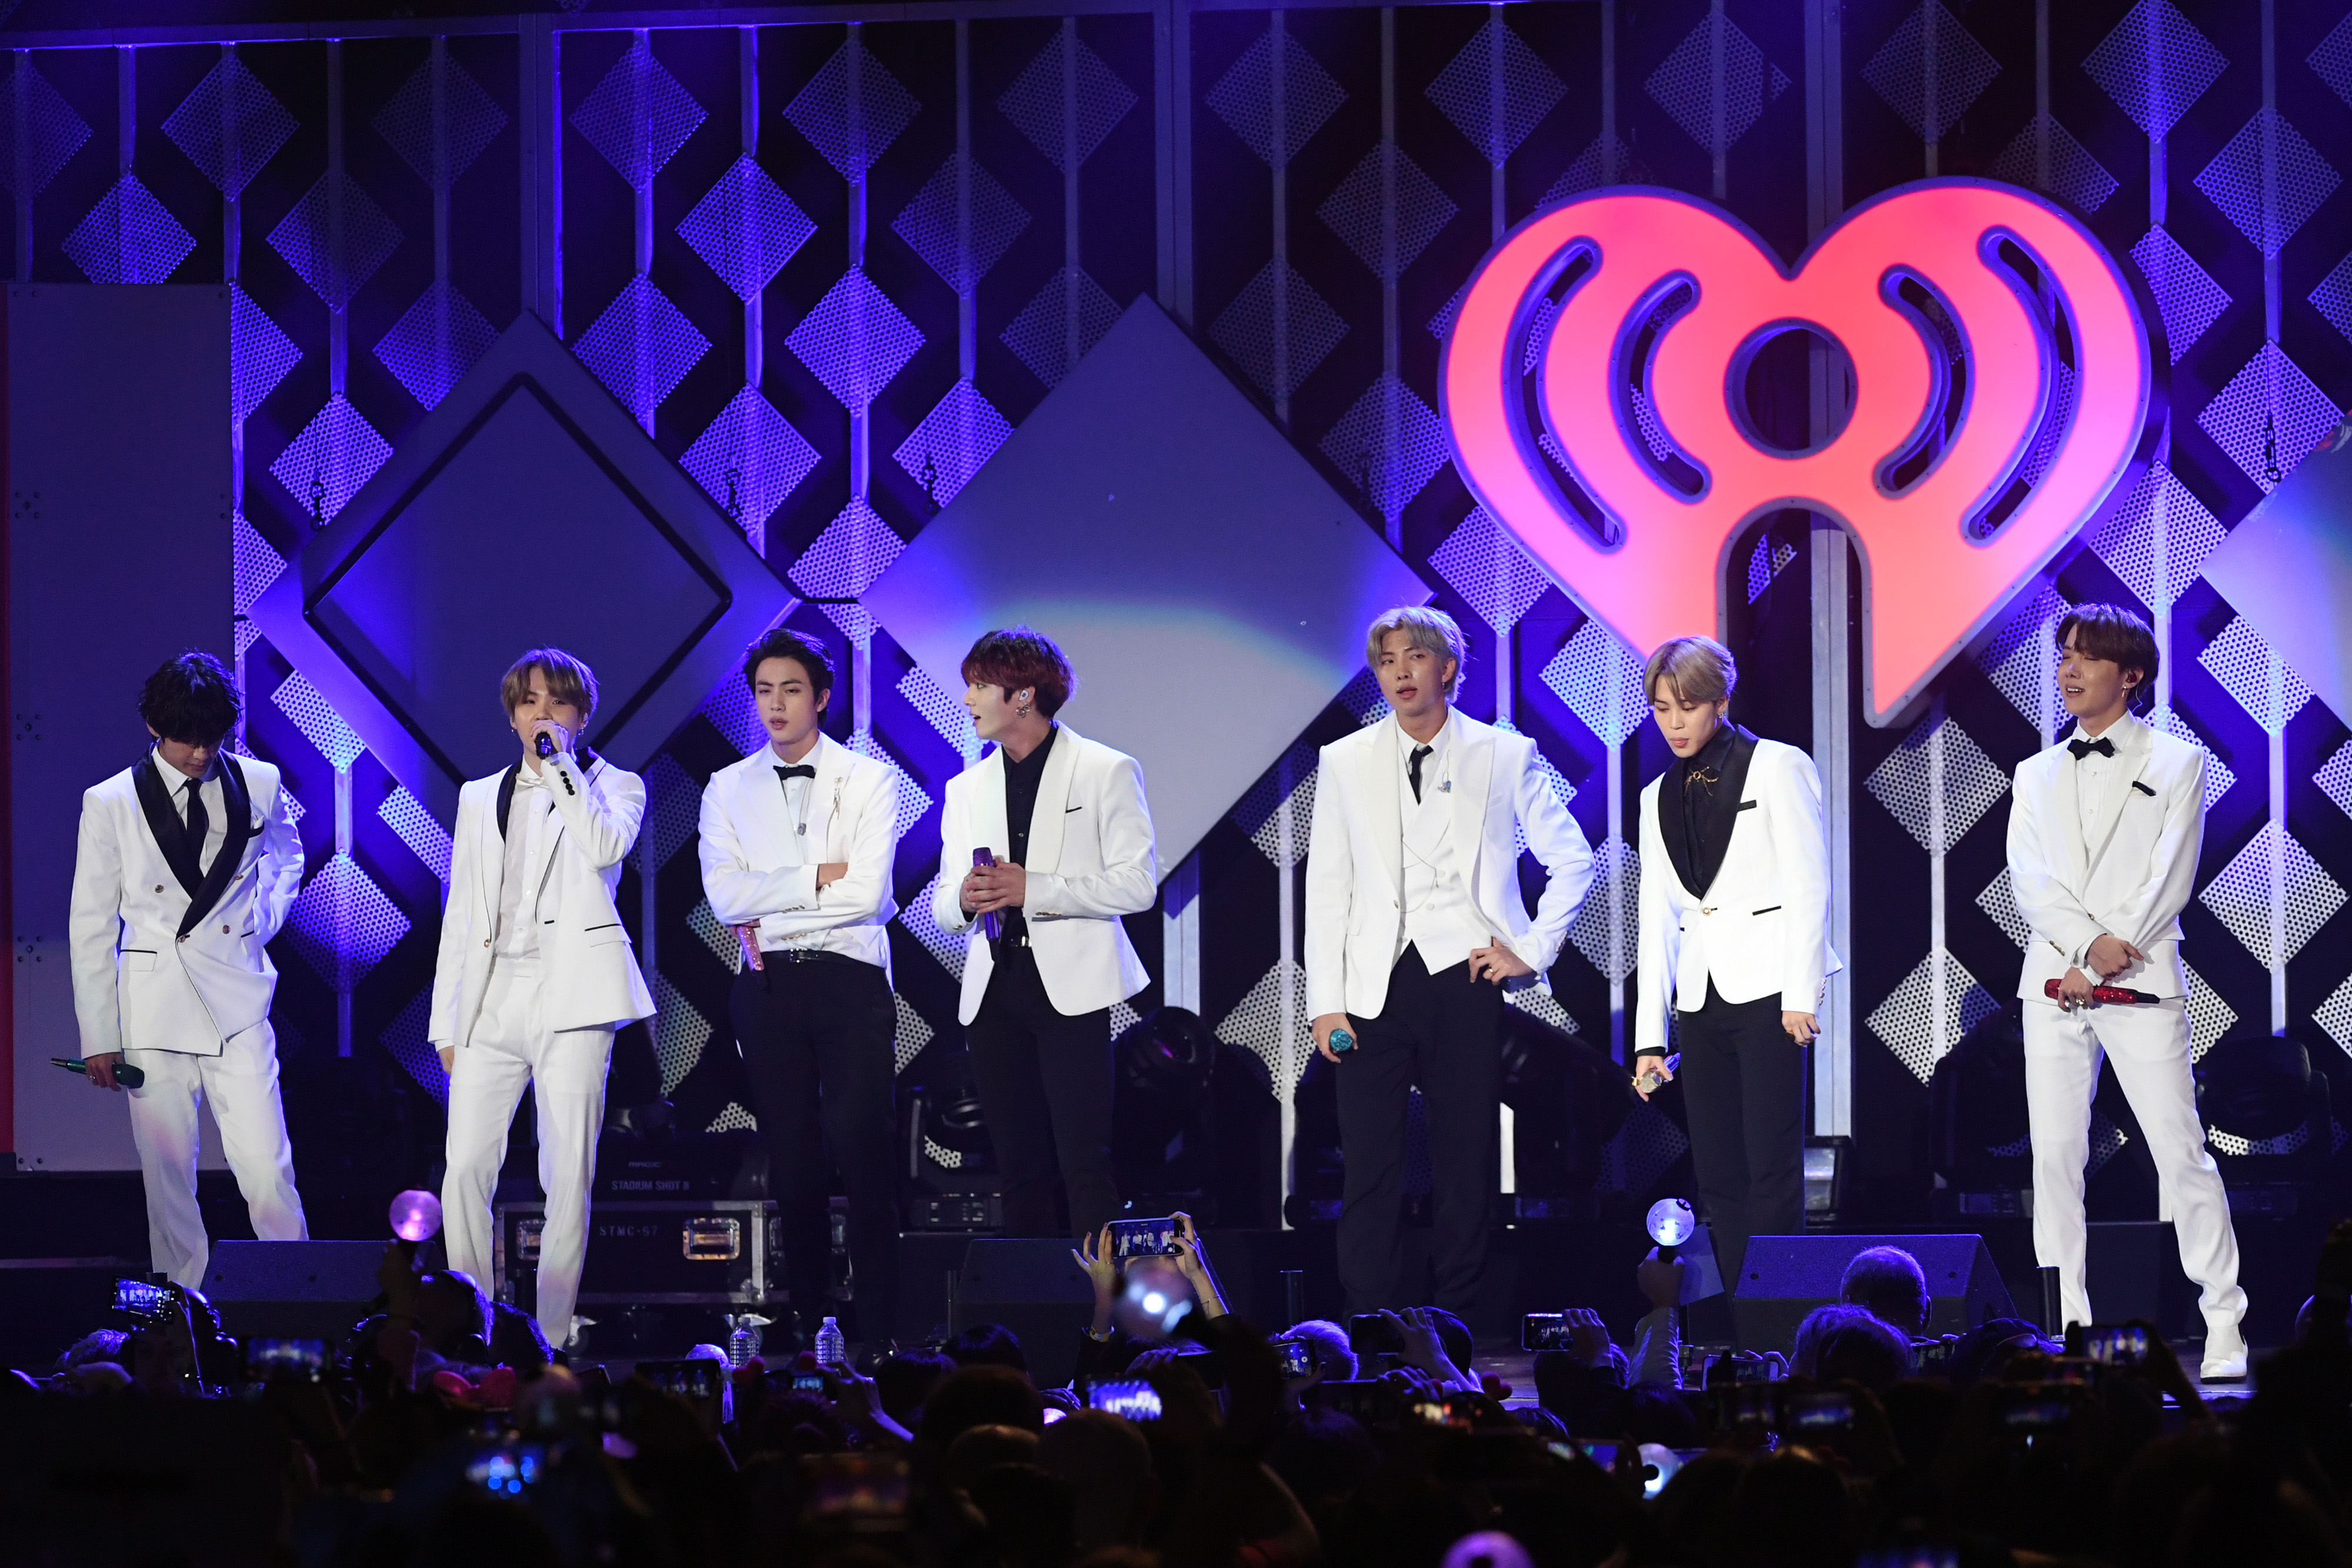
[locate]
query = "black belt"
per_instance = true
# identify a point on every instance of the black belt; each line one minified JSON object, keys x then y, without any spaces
{"x":808,"y":955}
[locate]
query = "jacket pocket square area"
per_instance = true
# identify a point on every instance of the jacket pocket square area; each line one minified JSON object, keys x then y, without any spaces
{"x":1067,"y":809}
{"x":2142,"y":787}
{"x":1747,"y":805}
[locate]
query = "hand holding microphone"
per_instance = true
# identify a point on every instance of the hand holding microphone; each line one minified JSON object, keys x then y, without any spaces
{"x":2113,"y":996}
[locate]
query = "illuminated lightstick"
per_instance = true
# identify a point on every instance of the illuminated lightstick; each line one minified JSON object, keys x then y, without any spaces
{"x":416,"y":1216}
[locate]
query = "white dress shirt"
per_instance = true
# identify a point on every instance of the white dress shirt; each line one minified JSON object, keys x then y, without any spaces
{"x":1439,"y":917}
{"x":175,"y":784}
{"x":527,"y":817}
{"x":2094,"y":773}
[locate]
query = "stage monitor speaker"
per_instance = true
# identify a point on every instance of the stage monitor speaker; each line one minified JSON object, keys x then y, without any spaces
{"x":1033,"y":1287}
{"x":1785,"y":1277}
{"x":293,"y":1289}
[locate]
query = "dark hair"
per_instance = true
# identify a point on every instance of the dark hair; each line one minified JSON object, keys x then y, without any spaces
{"x":780,"y":643}
{"x":987,"y":1344}
{"x":1018,"y":656}
{"x":907,"y":1379}
{"x":1889,"y":1282}
{"x":977,"y":1397}
{"x":2113,"y":632}
{"x":191,"y":699}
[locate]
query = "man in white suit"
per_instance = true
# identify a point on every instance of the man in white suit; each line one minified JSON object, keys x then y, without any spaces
{"x":798,"y":842}
{"x":1414,"y":926}
{"x":187,"y":865}
{"x":1066,"y":824}
{"x":2103,"y":832}
{"x":535,"y":971}
{"x":1733,"y":942}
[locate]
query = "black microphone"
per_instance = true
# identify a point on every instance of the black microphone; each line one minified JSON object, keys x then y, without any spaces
{"x":546,"y":744}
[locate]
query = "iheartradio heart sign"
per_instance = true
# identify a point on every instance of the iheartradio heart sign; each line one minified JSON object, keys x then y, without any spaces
{"x":2001,"y":379}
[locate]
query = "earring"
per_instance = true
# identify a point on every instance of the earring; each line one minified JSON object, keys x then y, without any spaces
{"x":1021,"y":712}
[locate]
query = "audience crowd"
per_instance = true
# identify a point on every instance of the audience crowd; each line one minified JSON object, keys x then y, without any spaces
{"x":445,"y":1433}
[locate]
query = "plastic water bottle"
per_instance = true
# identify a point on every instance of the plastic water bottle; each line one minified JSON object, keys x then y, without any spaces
{"x":832,"y":1348}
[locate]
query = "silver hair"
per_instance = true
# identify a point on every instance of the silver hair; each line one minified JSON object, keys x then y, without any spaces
{"x":1427,"y":628}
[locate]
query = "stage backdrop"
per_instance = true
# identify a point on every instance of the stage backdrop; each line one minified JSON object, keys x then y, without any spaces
{"x":830,"y":265}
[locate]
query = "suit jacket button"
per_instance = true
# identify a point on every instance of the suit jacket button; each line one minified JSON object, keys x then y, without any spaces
{"x":158,"y":887}
{"x":486,"y":941}
{"x":224,"y":930}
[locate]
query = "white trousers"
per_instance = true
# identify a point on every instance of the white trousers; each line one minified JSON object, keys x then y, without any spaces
{"x":565,"y":1070}
{"x":241,"y":1086}
{"x":2149,"y":1046}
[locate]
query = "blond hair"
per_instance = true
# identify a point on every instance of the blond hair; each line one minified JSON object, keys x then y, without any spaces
{"x":1698,"y":670}
{"x":1425,"y":627}
{"x":569,"y":680}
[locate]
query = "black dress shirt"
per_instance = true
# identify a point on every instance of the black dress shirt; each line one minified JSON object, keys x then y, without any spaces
{"x":1702,"y":806}
{"x":1021,"y":781}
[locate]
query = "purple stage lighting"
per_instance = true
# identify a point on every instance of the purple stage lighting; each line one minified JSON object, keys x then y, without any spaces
{"x":416,"y":1216}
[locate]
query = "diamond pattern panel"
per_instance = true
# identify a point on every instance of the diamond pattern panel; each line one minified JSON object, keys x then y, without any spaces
{"x":912,"y":1034}
{"x":2218,"y":776}
{"x":325,"y":465}
{"x":2013,"y":659}
{"x":2333,"y":297}
{"x":2240,"y":897}
{"x":2334,"y":1016}
{"x":2210,"y":1017}
{"x":1644,"y":1148}
{"x":1353,"y":211}
{"x":1256,"y":1025}
{"x":1244,"y":97}
{"x":1906,"y":1023}
{"x":403,"y":1037}
{"x":1605,"y":161}
{"x":2127,"y":541}
{"x":1390,"y":443}
{"x":255,"y":565}
{"x":1999,"y":900}
{"x":1768,"y":560}
{"x":2335,"y":778}
{"x":745,"y":228}
{"x":2154,"y":64}
{"x":1262,"y":811}
{"x":950,"y":444}
{"x":641,"y":347}
{"x":749,"y":461}
{"x":1465,"y":90}
{"x":129,"y":238}
{"x":2187,"y":298}
{"x":724,"y":945}
{"x":406,"y":815}
{"x":1483,"y":563}
{"x":1362,"y":697}
{"x":853,"y":340}
{"x":2075,"y":177}
{"x":1972,"y":785}
{"x":927,"y":223}
{"x":320,"y":724}
{"x":1610,"y":704}
{"x":729,"y":709}
{"x":52,"y":131}
{"x":2332,"y":59}
{"x":673,"y":809}
{"x":2234,"y":180}
{"x":434,"y":342}
{"x":913,"y":798}
{"x":2240,"y":661}
{"x":1683,"y":85}
{"x":1616,"y":881}
{"x":843,"y":561}
{"x":1036,"y":102}
{"x":1245,"y":330}
{"x":1540,"y":1004}
{"x":2269,"y":417}
{"x":680,"y":1033}
{"x":470,"y":116}
{"x":821,"y":110}
{"x":230,"y":126}
{"x":342,"y":924}
{"x":638,"y":116}
{"x":260,"y":354}
{"x":1899,"y":71}
{"x":1040,"y":336}
{"x":304,"y":238}
{"x":947,"y":947}
{"x":937,"y":705}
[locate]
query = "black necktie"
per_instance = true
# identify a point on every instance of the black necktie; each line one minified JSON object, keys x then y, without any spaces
{"x":2082,"y":748}
{"x":798,"y":771}
{"x":197,"y":824}
{"x":1413,"y":769}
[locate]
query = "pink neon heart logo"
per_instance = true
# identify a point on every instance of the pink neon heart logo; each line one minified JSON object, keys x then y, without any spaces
{"x":1928,"y":586}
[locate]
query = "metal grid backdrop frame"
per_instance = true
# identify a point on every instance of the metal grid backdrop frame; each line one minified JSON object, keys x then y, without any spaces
{"x":803,"y":242}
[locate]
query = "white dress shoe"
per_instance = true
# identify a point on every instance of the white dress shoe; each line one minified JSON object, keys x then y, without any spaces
{"x":2225,"y":1356}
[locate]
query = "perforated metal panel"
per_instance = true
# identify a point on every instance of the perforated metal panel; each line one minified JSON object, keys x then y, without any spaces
{"x":260,"y":354}
{"x":927,"y":223}
{"x":2127,"y":540}
{"x":1766,"y":561}
{"x":2234,"y":180}
{"x":1483,"y":563}
{"x":404,"y":1036}
{"x":2154,"y":64}
{"x":2187,"y":296}
{"x":2334,"y":1016}
{"x":435,"y":342}
{"x":52,"y":131}
{"x":1244,"y":97}
{"x":1256,"y":1025}
{"x":912,"y":1034}
{"x":2013,"y":658}
{"x":2240,"y":661}
{"x":2335,"y":778}
{"x":855,"y":340}
{"x":130,"y":237}
{"x":471,"y":120}
{"x":1465,"y":90}
{"x":913,"y":798}
{"x":2218,"y":776}
{"x":255,"y":566}
{"x":1999,"y":900}
{"x":1606,"y":161}
{"x":750,"y":460}
{"x":342,"y":924}
{"x":638,"y":116}
{"x":1245,"y":330}
{"x":1261,"y":811}
{"x":1616,"y":880}
{"x":304,"y":238}
{"x":732,"y":712}
{"x":414,"y":826}
{"x":1643,"y":1148}
{"x":2240,"y":897}
{"x":230,"y":126}
{"x":320,"y":724}
{"x":1039,"y":336}
{"x":843,"y":561}
{"x":1353,"y":209}
{"x":822,"y":110}
{"x":722,"y":940}
{"x":2269,"y":416}
{"x":2076,"y":178}
{"x":1034,"y":102}
{"x":2210,"y":1017}
{"x":915,"y":914}
{"x":1972,"y":785}
{"x":641,"y":347}
{"x":1684,"y":84}
{"x":673,"y":809}
{"x":1905,"y":1022}
{"x":1579,"y":674}
{"x":329,"y":459}
{"x":950,"y":444}
{"x":1390,"y":443}
{"x":941,"y":709}
{"x":680,"y":1032}
{"x":745,"y":228}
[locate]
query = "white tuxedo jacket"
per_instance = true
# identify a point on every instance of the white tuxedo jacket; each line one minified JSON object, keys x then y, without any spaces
{"x":756,"y":869}
{"x":1354,"y":859}
{"x":1763,"y":924}
{"x":1092,"y":859}
{"x":588,"y":970}
{"x":2130,"y":879}
{"x":138,"y":981}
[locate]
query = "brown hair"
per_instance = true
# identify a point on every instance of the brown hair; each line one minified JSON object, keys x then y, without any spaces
{"x":568,"y":680}
{"x":1018,"y":656}
{"x":1698,"y":669}
{"x":2111,"y":632}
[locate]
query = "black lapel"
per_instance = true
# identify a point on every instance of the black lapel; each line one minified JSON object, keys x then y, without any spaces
{"x":506,"y":798}
{"x":164,"y":821}
{"x":1722,"y":818}
{"x":1671,"y":827}
{"x":237,"y":801}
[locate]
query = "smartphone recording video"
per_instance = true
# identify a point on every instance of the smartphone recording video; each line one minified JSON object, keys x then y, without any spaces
{"x":510,"y":1470}
{"x":1297,"y":1358}
{"x":1130,"y":1398}
{"x":1545,"y":1331}
{"x":143,"y":1300}
{"x":808,"y":1382}
{"x":1143,"y":1239}
{"x":292,"y":1360}
{"x":1373,"y":1333}
{"x":1814,"y":1413}
{"x":2117,"y":1344}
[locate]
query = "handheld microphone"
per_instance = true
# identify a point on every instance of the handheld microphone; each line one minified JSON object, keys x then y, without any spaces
{"x":125,"y":1075}
{"x":990,"y":925}
{"x":2122,"y":996}
{"x":545,"y":744}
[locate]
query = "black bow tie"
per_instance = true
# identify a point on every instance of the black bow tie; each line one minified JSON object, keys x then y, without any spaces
{"x":798,"y":771}
{"x":2082,"y":748}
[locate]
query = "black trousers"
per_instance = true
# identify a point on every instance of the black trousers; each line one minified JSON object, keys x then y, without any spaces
{"x":816,"y":1042}
{"x":1045,"y":1083}
{"x":1444,"y":1033}
{"x":1744,"y":1095}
